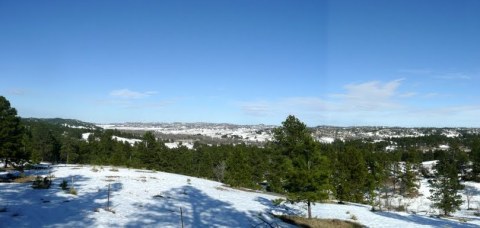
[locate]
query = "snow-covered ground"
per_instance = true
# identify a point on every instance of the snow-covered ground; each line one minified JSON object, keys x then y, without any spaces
{"x":130,"y":141}
{"x":142,"y":198}
{"x":171,"y":145}
{"x":247,"y":133}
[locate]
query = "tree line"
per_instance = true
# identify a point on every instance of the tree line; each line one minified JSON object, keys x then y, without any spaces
{"x":293,"y":163}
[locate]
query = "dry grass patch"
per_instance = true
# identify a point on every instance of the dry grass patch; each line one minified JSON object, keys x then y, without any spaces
{"x":25,"y":179}
{"x":144,"y":171}
{"x":221,"y":188}
{"x":314,"y":223}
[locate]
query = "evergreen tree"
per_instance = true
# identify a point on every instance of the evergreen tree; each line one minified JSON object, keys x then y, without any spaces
{"x":239,"y":171}
{"x":10,"y":134}
{"x":351,"y":176}
{"x":69,"y":150}
{"x":148,"y":151}
{"x":446,"y":184}
{"x":306,"y":170}
{"x":409,"y":186}
{"x":377,"y":174}
{"x":475,"y":158}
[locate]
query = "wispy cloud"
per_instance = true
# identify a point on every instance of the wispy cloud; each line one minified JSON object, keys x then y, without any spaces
{"x":129,"y":94}
{"x":150,"y":105}
{"x":256,"y":108}
{"x":419,"y":71}
{"x":368,"y":103}
{"x":16,"y":92}
{"x":438,"y":75}
{"x":128,"y":99}
{"x":136,"y":104}
{"x":456,"y":76}
{"x":369,"y":95}
{"x":407,"y":95}
{"x":431,"y":95}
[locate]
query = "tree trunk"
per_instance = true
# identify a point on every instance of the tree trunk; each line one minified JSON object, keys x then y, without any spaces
{"x":309,"y":209}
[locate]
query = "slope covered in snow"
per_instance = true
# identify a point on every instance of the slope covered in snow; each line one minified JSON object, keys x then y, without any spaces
{"x":155,"y":199}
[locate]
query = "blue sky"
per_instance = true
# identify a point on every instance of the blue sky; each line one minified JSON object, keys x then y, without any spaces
{"x":346,"y":63}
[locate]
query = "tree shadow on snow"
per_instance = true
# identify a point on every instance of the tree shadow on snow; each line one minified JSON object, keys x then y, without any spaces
{"x":199,"y":210}
{"x":277,"y":209}
{"x":421,"y":220}
{"x":27,"y":207}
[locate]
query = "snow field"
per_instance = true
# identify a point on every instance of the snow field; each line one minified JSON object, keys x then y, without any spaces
{"x":142,"y":198}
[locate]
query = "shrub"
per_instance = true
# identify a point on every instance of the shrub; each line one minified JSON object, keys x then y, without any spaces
{"x":72,"y":191}
{"x":40,"y":183}
{"x":277,"y":201}
{"x":64,"y":184}
{"x":400,"y":208}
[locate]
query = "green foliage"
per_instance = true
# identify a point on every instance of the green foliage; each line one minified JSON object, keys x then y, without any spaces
{"x":11,"y":135}
{"x":305,"y":171}
{"x":42,"y":183}
{"x":350,"y":177}
{"x":277,"y":201}
{"x":475,"y":158}
{"x":293,"y":164}
{"x":64,"y":184}
{"x":409,"y":181}
{"x":445,"y":186}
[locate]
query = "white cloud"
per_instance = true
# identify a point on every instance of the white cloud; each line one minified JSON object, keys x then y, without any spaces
{"x":454,"y":76}
{"x":368,"y":103}
{"x":129,"y":94}
{"x":17,"y":92}
{"x":369,"y":96}
{"x":309,"y":103}
{"x":363,"y":97}
{"x":256,"y":108}
{"x":407,"y":95}
{"x":431,"y":95}
{"x":419,"y":71}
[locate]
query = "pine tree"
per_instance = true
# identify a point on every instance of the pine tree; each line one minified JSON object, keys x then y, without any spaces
{"x":377,"y":174}
{"x":445,"y":186}
{"x":409,"y":186}
{"x":351,"y":174}
{"x":11,"y":134}
{"x":475,"y":158}
{"x":306,"y":170}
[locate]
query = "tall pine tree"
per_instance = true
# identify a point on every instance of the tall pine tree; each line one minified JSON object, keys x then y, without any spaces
{"x":445,"y":186}
{"x":11,"y":134}
{"x":306,"y":169}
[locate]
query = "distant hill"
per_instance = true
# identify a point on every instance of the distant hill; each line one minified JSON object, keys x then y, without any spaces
{"x":59,"y":122}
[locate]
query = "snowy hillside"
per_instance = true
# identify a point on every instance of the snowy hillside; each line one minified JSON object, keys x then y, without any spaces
{"x":263,"y":133}
{"x":253,"y":133}
{"x":153,"y":199}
